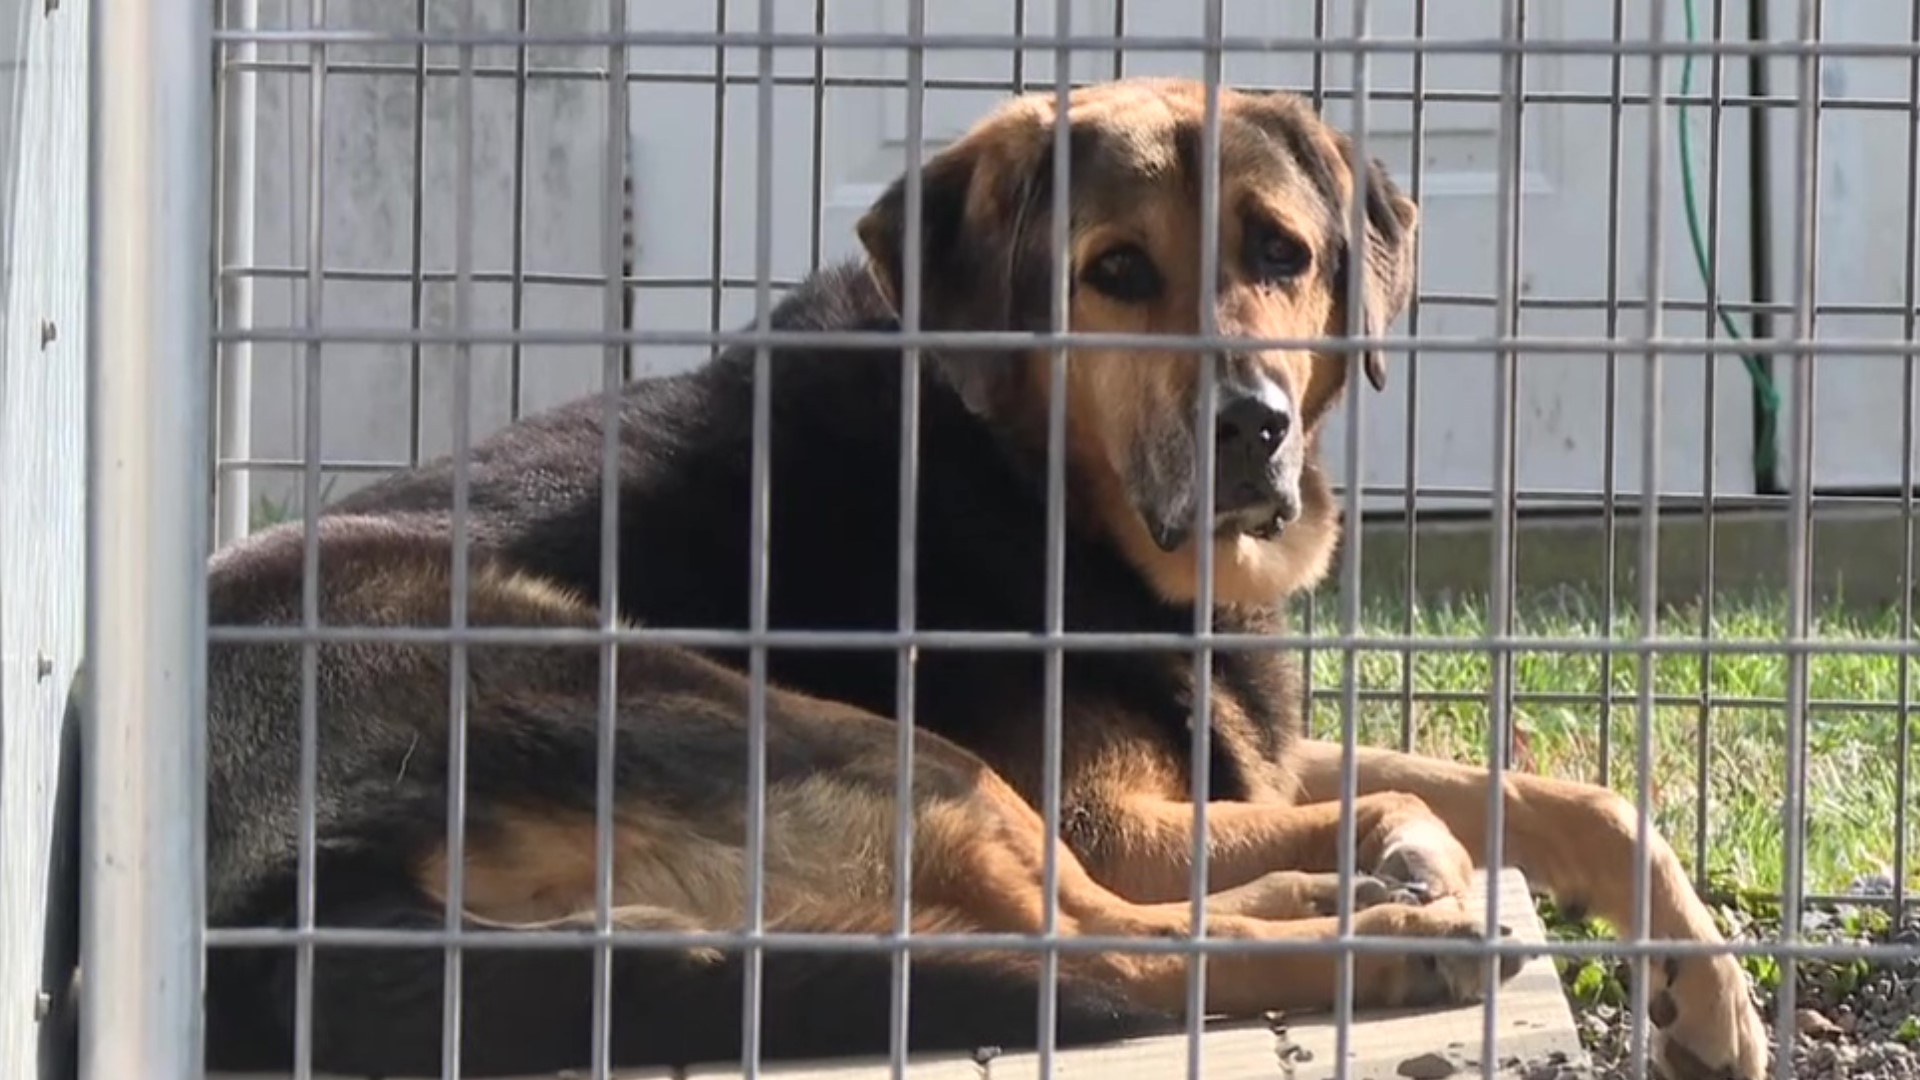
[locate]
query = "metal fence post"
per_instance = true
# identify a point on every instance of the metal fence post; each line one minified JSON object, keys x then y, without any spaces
{"x":238,"y":178}
{"x":150,"y":302}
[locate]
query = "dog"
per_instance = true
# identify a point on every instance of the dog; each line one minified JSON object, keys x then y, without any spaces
{"x":680,"y":716}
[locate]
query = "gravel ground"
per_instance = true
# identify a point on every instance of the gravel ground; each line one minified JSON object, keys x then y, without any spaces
{"x":1855,"y":1021}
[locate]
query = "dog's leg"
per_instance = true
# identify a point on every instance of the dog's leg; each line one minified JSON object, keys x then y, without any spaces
{"x":1281,"y":853}
{"x":529,"y":1011}
{"x":981,"y":851}
{"x":1304,"y":894}
{"x":1576,"y":841}
{"x":1243,"y":983}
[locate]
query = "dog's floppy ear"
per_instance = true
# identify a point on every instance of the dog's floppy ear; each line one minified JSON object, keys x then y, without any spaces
{"x":1393,"y":225}
{"x":946,"y":184}
{"x":979,"y":271}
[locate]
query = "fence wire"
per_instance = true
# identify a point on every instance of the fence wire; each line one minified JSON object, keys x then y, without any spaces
{"x":482,"y":304}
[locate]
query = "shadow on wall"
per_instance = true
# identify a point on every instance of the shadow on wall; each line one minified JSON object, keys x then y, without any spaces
{"x":60,"y":956}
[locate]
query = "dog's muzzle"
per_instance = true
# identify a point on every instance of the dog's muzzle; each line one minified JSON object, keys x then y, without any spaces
{"x":1256,"y":489}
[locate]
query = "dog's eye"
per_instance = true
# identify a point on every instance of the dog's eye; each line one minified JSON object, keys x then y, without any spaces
{"x":1275,"y":254}
{"x":1124,"y":273}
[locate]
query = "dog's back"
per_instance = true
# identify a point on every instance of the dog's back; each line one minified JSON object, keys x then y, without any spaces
{"x":531,"y":714}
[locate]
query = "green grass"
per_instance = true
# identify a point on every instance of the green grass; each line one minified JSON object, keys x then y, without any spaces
{"x":1557,"y":719}
{"x":269,"y":511}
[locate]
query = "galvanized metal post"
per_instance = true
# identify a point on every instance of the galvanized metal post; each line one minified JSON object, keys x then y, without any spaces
{"x":238,"y":112}
{"x":150,"y":300}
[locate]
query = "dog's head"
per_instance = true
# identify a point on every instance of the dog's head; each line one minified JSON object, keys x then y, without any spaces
{"x":1135,"y":244}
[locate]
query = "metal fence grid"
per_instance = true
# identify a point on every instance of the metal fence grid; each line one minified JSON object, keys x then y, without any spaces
{"x":152,"y":316}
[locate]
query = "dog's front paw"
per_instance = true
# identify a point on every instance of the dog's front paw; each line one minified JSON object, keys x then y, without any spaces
{"x":1370,"y":890}
{"x":1420,"y":978}
{"x":1423,"y":855}
{"x":1705,"y":1026}
{"x":1289,"y":894}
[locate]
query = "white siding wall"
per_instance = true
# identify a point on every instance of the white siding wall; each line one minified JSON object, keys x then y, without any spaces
{"x":42,"y":466}
{"x":1562,"y":415}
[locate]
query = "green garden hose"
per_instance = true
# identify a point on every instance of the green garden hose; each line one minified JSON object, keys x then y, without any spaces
{"x":1766,"y":396}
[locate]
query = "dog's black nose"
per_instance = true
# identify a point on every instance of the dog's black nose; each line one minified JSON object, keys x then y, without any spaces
{"x":1251,"y":430}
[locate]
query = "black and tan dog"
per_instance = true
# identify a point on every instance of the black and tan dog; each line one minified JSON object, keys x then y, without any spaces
{"x":680,"y":769}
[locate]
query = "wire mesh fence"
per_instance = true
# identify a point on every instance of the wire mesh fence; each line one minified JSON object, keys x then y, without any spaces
{"x":1633,"y":512}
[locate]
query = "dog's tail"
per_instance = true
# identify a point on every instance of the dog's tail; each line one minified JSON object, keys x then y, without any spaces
{"x":529,"y":1010}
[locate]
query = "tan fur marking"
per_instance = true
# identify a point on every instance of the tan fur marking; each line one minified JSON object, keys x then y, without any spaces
{"x":539,"y":866}
{"x":1574,"y":840}
{"x":1153,"y":861}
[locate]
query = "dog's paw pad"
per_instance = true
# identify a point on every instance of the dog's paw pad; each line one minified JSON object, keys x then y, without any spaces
{"x":1407,"y":863}
{"x":1661,"y":1010}
{"x":1429,"y":862}
{"x":1371,"y":890}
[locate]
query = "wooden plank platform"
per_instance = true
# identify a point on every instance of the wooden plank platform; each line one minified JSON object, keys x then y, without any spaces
{"x":1533,"y":1025}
